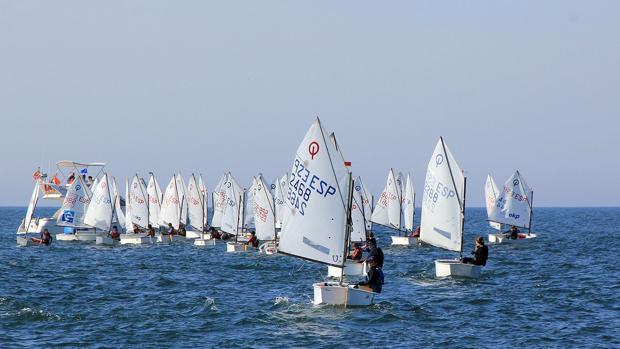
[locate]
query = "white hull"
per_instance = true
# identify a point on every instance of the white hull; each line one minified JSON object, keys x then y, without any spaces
{"x":204,"y":242}
{"x":268,"y":248}
{"x":351,"y":268}
{"x":503,"y":238}
{"x":66,"y":237}
{"x":451,"y":267}
{"x":332,"y":293}
{"x":236,"y":247}
{"x":135,"y":239}
{"x":89,"y":236}
{"x":24,"y":241}
{"x":404,"y":240}
{"x":106,"y":241}
{"x":166,"y":239}
{"x":192,"y":234}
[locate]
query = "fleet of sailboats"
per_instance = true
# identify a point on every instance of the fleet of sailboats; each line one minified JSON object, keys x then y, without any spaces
{"x":314,"y":212}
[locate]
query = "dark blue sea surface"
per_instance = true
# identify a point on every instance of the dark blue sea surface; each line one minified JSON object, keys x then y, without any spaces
{"x":560,"y":291}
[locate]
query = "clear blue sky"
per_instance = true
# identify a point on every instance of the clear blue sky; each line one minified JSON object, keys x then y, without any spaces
{"x":201,"y":86}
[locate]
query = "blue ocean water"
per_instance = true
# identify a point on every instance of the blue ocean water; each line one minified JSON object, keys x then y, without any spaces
{"x":560,"y":291}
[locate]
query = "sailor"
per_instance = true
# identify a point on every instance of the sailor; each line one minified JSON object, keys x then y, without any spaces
{"x":71,"y":178}
{"x":45,"y":239}
{"x":376,"y":253}
{"x":415,"y":233}
{"x":114,"y":234}
{"x":371,"y":238}
{"x":150,"y":231}
{"x":170,"y":229}
{"x":136,"y":229}
{"x":357,"y":252}
{"x":481,"y":254}
{"x":90,"y":181}
{"x":513,"y":233}
{"x":253,"y":240}
{"x":374,"y":277}
{"x":214,"y":233}
{"x":182,"y":230}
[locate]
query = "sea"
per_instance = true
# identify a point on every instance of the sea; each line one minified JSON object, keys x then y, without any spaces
{"x":560,"y":290}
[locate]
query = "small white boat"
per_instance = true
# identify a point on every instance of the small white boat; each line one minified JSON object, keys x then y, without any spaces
{"x":335,"y":293}
{"x":443,"y":211}
{"x":136,"y":239}
{"x":24,"y":241}
{"x":447,"y":267}
{"x":66,"y":237}
{"x":106,"y":241}
{"x":192,"y":234}
{"x":268,"y":248}
{"x":351,"y":268}
{"x":236,"y":247}
{"x":89,"y":236}
{"x":204,"y":242}
{"x":501,"y":238}
{"x":166,"y":239}
{"x":404,"y":240}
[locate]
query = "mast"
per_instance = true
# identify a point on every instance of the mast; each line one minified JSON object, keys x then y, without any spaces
{"x":529,"y":227}
{"x":107,"y":181}
{"x":347,"y":228}
{"x":463,"y":216}
{"x":239,"y":216}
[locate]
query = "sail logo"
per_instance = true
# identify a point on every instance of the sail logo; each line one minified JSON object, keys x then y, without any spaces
{"x":313,"y":149}
{"x":515,"y":182}
{"x":438,"y":160}
{"x":68,"y":216}
{"x":514,"y":215}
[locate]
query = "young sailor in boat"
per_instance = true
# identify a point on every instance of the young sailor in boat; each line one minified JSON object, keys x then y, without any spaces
{"x":513,"y":233}
{"x":376,"y":253}
{"x":136,"y":229}
{"x":46,"y":238}
{"x":182,"y":230}
{"x":415,"y":233}
{"x":170,"y":229}
{"x":374,"y":278}
{"x":114,"y":234}
{"x":253,"y":240}
{"x":357,"y":253}
{"x":150,"y":231}
{"x":481,"y":254}
{"x":214,"y":233}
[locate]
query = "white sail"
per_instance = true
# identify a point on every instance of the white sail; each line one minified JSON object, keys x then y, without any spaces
{"x":116,"y":196}
{"x":139,"y":203}
{"x":74,"y":205}
{"x":231,"y":219}
{"x":101,"y":208}
{"x":491,"y":193}
{"x":128,"y":221}
{"x":205,"y":203}
{"x":219,"y":201}
{"x":358,"y":231}
{"x":318,"y":195}
{"x":282,"y":209}
{"x":181,"y":188}
{"x":249,"y":206}
{"x":443,"y":202}
{"x":366,"y":202}
{"x":170,"y":210}
{"x":195,"y":202}
{"x":31,"y":205}
{"x":409,"y":204}
{"x":264,"y":215}
{"x":513,"y":205}
{"x":388,"y":209}
{"x":155,"y":195}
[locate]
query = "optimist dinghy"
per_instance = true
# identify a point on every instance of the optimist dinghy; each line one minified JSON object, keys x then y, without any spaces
{"x":317,"y":229}
{"x":510,"y":207}
{"x":443,"y":212}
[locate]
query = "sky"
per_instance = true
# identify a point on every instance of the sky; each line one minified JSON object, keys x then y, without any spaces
{"x":210,"y":86}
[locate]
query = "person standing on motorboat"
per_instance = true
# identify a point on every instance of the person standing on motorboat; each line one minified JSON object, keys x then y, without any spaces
{"x":150,"y":231}
{"x":45,"y":239}
{"x":374,"y":277}
{"x":71,"y":178}
{"x":114,"y":234}
{"x":376,"y":253}
{"x":481,"y":254}
{"x":253,"y":240}
{"x":90,"y":181}
{"x":357,"y":252}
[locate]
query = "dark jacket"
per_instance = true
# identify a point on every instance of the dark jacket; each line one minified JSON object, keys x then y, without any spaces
{"x":481,"y":255}
{"x":373,"y":280}
{"x":378,"y":254}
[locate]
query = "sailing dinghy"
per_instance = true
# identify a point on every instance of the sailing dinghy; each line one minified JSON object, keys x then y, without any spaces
{"x":317,"y":228}
{"x":23,"y":239}
{"x":232,"y":217}
{"x":443,"y":212}
{"x":510,"y":207}
{"x":100,"y":211}
{"x":137,"y":213}
{"x":170,"y":210}
{"x":388,"y":210}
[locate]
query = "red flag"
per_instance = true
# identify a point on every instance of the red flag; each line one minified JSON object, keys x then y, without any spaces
{"x":56,"y":180}
{"x":36,"y":175}
{"x":347,"y":163}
